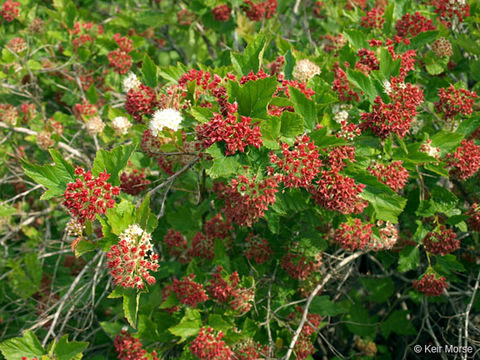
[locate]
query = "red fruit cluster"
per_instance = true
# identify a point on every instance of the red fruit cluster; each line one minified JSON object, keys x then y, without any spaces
{"x":208,"y":345}
{"x":249,"y":350}
{"x":134,"y":183}
{"x":430,"y":285}
{"x":10,"y":10}
{"x":465,"y":161}
{"x":130,"y":348}
{"x":354,"y":236}
{"x":396,"y":116}
{"x":89,"y":196}
{"x":334,"y":43}
{"x":442,"y":47}
{"x":257,"y":249}
{"x":176,"y":245}
{"x":282,"y":88}
{"x":342,"y":86}
{"x":393,"y":174}
{"x":188,"y":291}
{"x":246,"y":200}
{"x":141,"y":101}
{"x":303,"y":347}
{"x":120,"y":59}
{"x":338,"y":155}
{"x":413,"y":24}
{"x":256,"y":12}
{"x":299,"y":166}
{"x":276,"y":66}
{"x":368,"y":61}
{"x":311,"y":325}
{"x":474,"y":219}
{"x":340,"y":193}
{"x":203,"y":243}
{"x":441,"y":242}
{"x":84,"y":109}
{"x":300,"y":266}
{"x":453,"y":102}
{"x":451,"y":11}
{"x":221,"y":289}
{"x":236,"y":134}
{"x":221,"y":12}
{"x":373,"y":19}
{"x":85,"y":32}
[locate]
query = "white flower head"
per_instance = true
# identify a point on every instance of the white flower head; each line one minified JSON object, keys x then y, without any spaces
{"x":95,"y":125}
{"x":341,"y":116}
{"x":121,"y":125}
{"x":387,"y":86}
{"x":165,"y":118}
{"x":305,"y":70}
{"x":131,"y":82}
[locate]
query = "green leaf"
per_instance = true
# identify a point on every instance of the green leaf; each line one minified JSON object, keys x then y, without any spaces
{"x":446,"y":141}
{"x":54,"y":177}
{"x":131,"y":301}
{"x":91,"y":95}
{"x":112,"y":161}
{"x":356,"y":38}
{"x":65,"y":350}
{"x":253,"y":97}
{"x":388,"y":66}
{"x":380,"y":289}
{"x":409,"y":259}
{"x":360,"y":323}
{"x":223,"y":167}
{"x":323,"y":306}
{"x":7,"y":210}
{"x":447,"y":264}
{"x":83,"y":247}
{"x":291,"y":125}
{"x":387,"y":207}
{"x":289,"y":65}
{"x":186,"y":328}
{"x":323,"y":141}
{"x":34,"y":268}
{"x":426,"y":37}
{"x":27,"y":345}
{"x":252,"y":56}
{"x":362,"y":82}
{"x":304,"y":107}
{"x":71,"y":14}
{"x":149,"y":71}
{"x":398,"y":323}
{"x":217,"y":322}
{"x":144,"y":216}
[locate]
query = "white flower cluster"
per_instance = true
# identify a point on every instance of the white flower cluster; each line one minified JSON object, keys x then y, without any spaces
{"x":134,"y":235}
{"x":74,"y":228}
{"x":388,"y":236}
{"x":340,"y":113}
{"x":121,"y":125}
{"x":95,"y":125}
{"x":165,"y":118}
{"x":131,"y":82}
{"x":429,"y":149}
{"x":305,"y":70}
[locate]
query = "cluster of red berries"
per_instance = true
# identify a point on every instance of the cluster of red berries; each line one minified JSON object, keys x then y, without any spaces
{"x":141,"y":101}
{"x":442,"y":47}
{"x":396,"y":116}
{"x":451,"y":11}
{"x":236,"y":134}
{"x":176,"y":245}
{"x":342,"y":86}
{"x":282,"y":88}
{"x":84,"y":32}
{"x":354,"y":236}
{"x":119,"y":59}
{"x":441,"y":242}
{"x":276,"y":66}
{"x":338,"y":155}
{"x":131,"y":261}
{"x":221,"y":12}
{"x":84,"y":110}
{"x":134,"y":183}
{"x":368,"y":61}
{"x":393,"y":174}
{"x":453,"y":102}
{"x":296,"y":167}
{"x":259,"y":11}
{"x":130,"y":348}
{"x":474,"y":219}
{"x":465,"y":161}
{"x":208,"y":345}
{"x":303,"y":347}
{"x":249,"y":350}
{"x":246,"y":199}
{"x":430,"y":285}
{"x":188,"y":291}
{"x":257,"y":249}
{"x":373,"y":19}
{"x":311,"y":325}
{"x":413,"y":24}
{"x":300,"y":266}
{"x":334,"y":43}
{"x":89,"y":196}
{"x":10,"y":10}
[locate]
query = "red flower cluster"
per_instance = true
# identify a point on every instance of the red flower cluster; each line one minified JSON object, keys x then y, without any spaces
{"x":249,"y":350}
{"x":441,"y":241}
{"x":141,"y":101}
{"x":256,"y":12}
{"x":276,"y":66}
{"x":208,"y":345}
{"x":221,"y":289}
{"x":311,"y":325}
{"x":430,"y":285}
{"x":334,"y":43}
{"x":85,"y":109}
{"x":246,"y":200}
{"x":355,"y":236}
{"x":134,"y":183}
{"x":393,"y":175}
{"x":203,"y":243}
{"x":396,"y":116}
{"x":413,"y":24}
{"x":88,"y":196}
{"x":257,"y":248}
{"x":451,"y":11}
{"x":453,"y":102}
{"x":221,"y":12}
{"x":10,"y":10}
{"x":119,"y":59}
{"x":236,"y":134}
{"x":339,"y":193}
{"x":442,"y":47}
{"x":284,"y":84}
{"x":176,"y":245}
{"x":373,"y":19}
{"x":299,"y":166}
{"x":342,"y":86}
{"x":188,"y":291}
{"x":465,"y":161}
{"x":338,"y":155}
{"x":300,"y":266}
{"x":85,"y":32}
{"x":303,"y":347}
{"x":368,"y":61}
{"x":130,"y":348}
{"x":132,"y":259}
{"x":474,"y":219}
